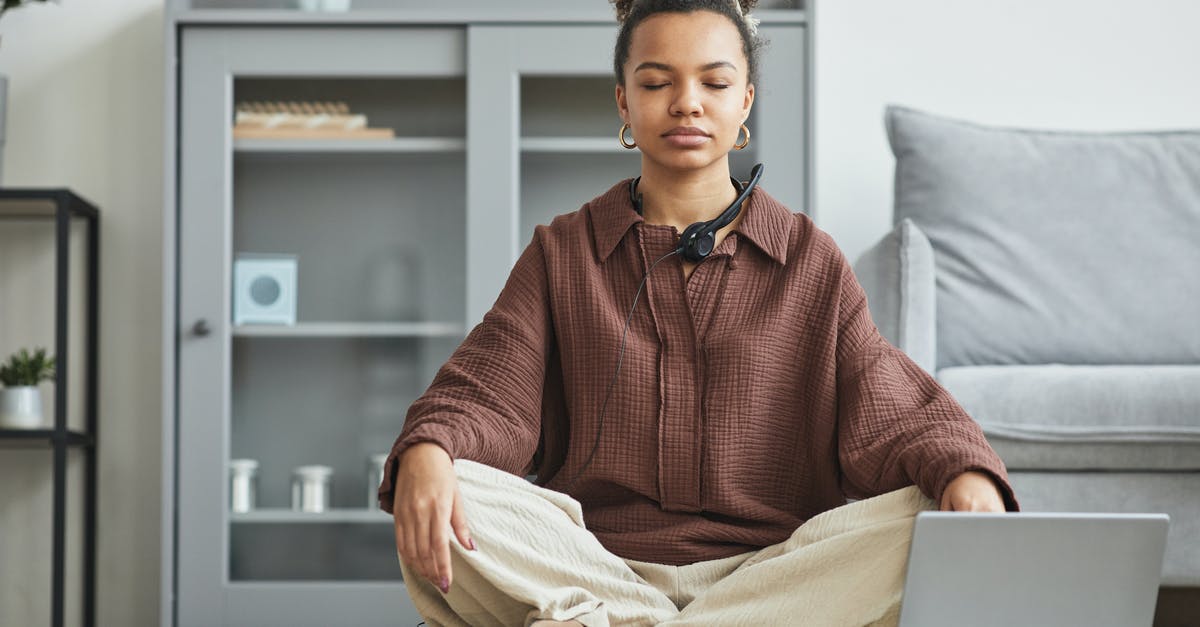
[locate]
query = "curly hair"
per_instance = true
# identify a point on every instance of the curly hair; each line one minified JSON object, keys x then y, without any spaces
{"x":630,"y":13}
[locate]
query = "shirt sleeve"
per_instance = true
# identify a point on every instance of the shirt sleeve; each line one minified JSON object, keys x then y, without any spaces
{"x":897,"y":425}
{"x":484,"y":403}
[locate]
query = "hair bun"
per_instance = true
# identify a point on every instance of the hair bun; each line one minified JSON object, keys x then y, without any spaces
{"x":623,"y":7}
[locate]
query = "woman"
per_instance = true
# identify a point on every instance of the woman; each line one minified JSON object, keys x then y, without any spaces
{"x":755,"y":396}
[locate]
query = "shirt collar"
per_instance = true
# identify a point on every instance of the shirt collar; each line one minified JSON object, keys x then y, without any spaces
{"x":766,"y":222}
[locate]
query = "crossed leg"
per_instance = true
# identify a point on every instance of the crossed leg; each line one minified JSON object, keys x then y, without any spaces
{"x":845,"y":566}
{"x":535,"y":561}
{"x":537,"y":564}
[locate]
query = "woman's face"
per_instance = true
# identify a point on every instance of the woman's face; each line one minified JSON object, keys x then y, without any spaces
{"x":685,"y":69}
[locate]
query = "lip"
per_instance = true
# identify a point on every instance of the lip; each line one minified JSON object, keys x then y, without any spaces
{"x":686,"y":130}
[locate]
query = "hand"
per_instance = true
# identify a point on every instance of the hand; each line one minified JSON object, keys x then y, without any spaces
{"x":427,"y":503}
{"x":972,"y":491}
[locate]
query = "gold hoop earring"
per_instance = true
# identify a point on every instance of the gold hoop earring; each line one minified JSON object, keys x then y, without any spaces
{"x":745,"y":143}
{"x":621,"y":137}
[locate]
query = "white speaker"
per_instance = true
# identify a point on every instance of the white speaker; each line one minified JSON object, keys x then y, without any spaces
{"x":264,"y":289}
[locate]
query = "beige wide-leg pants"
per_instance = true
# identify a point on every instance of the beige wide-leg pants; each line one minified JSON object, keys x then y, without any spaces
{"x":536,"y":560}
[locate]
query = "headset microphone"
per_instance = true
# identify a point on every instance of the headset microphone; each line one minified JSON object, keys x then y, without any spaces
{"x":695,"y":244}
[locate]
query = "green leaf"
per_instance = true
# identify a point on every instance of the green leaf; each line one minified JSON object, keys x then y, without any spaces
{"x":24,"y":369}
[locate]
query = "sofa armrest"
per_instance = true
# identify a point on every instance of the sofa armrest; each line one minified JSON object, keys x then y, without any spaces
{"x":897,"y":273}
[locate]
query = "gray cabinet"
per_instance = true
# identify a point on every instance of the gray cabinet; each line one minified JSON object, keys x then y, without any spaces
{"x":401,"y":245}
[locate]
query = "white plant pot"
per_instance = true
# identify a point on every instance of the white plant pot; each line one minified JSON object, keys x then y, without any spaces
{"x":21,"y":408}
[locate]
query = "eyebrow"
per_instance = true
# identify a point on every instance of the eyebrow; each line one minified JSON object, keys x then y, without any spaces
{"x":655,"y":65}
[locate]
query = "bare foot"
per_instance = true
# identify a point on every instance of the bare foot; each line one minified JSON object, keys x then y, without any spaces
{"x":548,"y":623}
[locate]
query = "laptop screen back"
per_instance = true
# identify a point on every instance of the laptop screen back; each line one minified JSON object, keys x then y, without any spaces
{"x":1033,"y":568}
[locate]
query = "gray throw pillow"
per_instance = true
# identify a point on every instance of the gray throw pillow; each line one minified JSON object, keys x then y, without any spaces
{"x":1054,"y":246}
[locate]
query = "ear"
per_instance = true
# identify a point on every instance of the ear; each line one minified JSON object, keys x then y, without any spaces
{"x":622,"y":105}
{"x":748,"y":102}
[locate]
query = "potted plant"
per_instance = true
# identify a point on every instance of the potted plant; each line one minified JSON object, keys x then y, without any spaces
{"x":20,"y":403}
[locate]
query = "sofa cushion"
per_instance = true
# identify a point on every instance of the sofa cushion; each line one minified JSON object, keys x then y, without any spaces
{"x":1055,"y":247}
{"x":1058,"y":416}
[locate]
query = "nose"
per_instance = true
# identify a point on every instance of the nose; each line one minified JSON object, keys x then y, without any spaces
{"x":687,"y":100}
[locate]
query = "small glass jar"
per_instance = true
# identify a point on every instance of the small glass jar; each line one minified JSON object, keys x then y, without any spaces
{"x":243,"y":485}
{"x":375,"y":479}
{"x":311,"y":487}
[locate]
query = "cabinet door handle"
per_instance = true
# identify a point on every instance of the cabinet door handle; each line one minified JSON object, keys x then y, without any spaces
{"x":201,"y":328}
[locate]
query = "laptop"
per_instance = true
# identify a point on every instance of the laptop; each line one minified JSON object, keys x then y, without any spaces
{"x":1033,"y":568}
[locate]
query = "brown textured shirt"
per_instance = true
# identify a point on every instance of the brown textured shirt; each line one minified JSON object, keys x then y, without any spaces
{"x":752,"y":396}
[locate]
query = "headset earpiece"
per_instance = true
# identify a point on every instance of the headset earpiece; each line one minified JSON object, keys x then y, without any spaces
{"x":697,"y":241}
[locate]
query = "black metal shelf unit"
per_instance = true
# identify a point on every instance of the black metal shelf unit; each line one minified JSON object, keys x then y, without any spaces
{"x":61,"y":205}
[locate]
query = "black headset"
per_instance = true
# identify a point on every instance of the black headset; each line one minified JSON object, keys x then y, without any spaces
{"x":698,"y":239}
{"x":695,"y":244}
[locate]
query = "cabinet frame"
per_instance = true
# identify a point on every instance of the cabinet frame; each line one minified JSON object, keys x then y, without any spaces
{"x":212,"y":58}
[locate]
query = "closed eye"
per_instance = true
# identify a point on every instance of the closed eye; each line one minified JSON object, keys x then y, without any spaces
{"x":712,"y":85}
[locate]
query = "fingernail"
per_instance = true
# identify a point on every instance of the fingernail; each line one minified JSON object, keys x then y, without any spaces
{"x":471,"y":543}
{"x":445,"y":585}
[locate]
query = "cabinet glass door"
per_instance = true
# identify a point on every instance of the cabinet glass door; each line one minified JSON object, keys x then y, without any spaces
{"x":367,"y":235}
{"x":322,"y":286}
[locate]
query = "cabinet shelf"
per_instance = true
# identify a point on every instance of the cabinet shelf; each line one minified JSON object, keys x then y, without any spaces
{"x":572,"y":144}
{"x":321,"y":146}
{"x":351,"y":329}
{"x":481,"y":13}
{"x":36,"y":438}
{"x":331,"y":516}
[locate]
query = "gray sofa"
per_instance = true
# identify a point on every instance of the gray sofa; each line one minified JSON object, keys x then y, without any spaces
{"x":1051,"y":282}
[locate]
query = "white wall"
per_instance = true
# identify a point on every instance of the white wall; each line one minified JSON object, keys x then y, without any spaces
{"x":86,"y":112}
{"x":1072,"y":64}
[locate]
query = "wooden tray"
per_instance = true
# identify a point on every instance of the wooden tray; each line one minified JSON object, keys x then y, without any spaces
{"x":255,"y":132}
